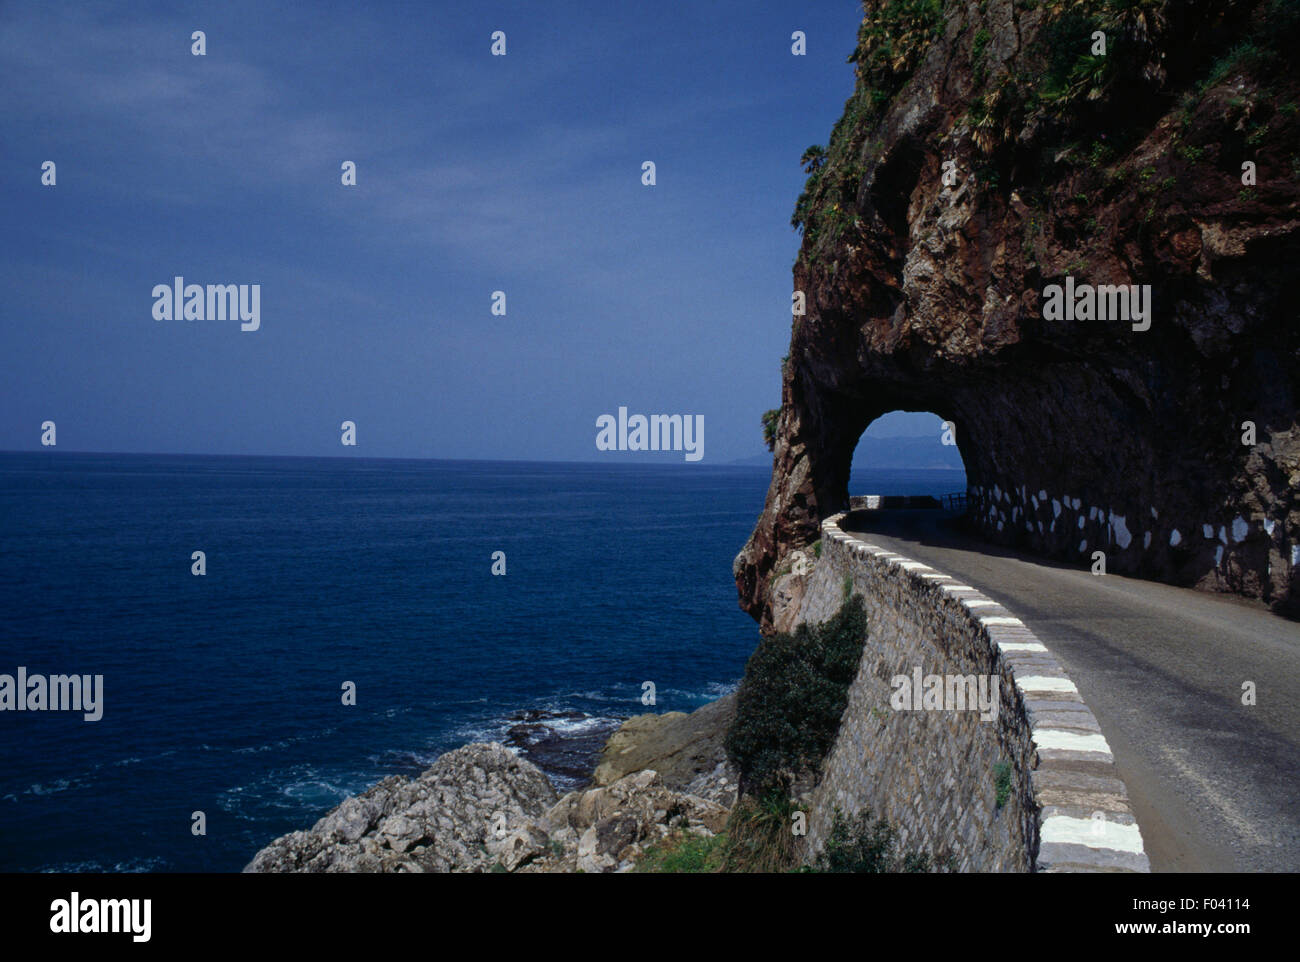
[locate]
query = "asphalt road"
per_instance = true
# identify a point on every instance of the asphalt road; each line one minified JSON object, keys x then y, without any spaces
{"x":1215,"y":784}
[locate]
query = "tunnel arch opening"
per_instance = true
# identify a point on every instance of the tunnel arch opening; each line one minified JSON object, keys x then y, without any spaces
{"x":910,"y":453}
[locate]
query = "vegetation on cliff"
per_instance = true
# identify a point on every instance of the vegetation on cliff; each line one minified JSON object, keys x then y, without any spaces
{"x":790,"y":701}
{"x":770,"y":419}
{"x":891,"y":40}
{"x":864,"y":844}
{"x":757,"y":838}
{"x":1057,"y":86}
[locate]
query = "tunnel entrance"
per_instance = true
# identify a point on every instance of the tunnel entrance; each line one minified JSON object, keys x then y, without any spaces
{"x":909,"y":455}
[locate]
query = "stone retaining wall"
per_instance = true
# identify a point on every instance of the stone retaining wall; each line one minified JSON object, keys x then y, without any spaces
{"x":932,"y":773}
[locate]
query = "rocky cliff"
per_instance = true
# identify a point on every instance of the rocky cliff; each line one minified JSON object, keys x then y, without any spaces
{"x":993,"y":149}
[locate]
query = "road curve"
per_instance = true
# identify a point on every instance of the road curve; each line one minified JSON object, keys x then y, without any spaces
{"x":1215,"y":784}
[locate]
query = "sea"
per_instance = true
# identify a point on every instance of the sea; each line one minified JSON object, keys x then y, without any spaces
{"x":337,"y":580}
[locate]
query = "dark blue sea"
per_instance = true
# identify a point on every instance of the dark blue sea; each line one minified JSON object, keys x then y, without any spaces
{"x":222,"y":693}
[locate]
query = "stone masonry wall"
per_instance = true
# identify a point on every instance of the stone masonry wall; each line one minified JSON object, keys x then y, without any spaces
{"x":932,"y":772}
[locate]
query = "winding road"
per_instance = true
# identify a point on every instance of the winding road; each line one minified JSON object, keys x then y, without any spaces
{"x":1215,"y":784}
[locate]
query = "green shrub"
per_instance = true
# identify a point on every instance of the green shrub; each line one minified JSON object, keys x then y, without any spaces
{"x":685,"y":852}
{"x":1066,"y":42}
{"x":790,"y":701}
{"x":770,"y":421}
{"x":867,"y":845}
{"x":1002,"y":782}
{"x":1100,"y":154}
{"x":1266,"y":48}
{"x":978,"y":48}
{"x":760,"y":836}
{"x":892,"y":38}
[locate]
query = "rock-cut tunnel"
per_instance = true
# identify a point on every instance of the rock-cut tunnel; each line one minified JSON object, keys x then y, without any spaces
{"x":1070,"y":447}
{"x":947,"y":206}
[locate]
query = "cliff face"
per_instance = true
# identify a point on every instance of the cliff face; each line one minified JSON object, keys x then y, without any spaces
{"x":1122,"y":168}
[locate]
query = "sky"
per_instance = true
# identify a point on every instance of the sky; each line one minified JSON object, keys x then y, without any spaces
{"x":474,"y":173}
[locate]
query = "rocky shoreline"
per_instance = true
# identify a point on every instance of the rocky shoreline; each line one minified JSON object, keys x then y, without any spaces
{"x":484,"y":807}
{"x":565,"y":745}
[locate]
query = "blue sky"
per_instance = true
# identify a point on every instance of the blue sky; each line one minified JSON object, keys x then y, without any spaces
{"x":475,"y":173}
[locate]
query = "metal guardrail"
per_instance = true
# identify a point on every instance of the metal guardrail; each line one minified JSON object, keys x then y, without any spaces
{"x":955,"y":502}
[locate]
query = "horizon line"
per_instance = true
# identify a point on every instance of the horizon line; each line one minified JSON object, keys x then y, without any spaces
{"x":745,"y":462}
{"x":359,"y":457}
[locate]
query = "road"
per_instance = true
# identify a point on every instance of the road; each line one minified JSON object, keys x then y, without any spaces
{"x":1215,"y":784}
